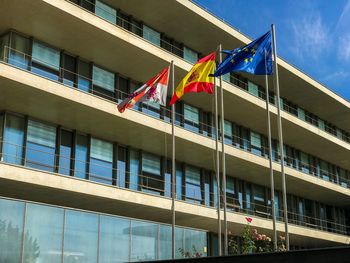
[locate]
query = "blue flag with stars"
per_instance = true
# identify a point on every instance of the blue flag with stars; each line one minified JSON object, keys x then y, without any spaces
{"x":250,"y":58}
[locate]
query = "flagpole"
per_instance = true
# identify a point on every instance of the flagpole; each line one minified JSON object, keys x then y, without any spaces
{"x":280,"y":136}
{"x":173,"y":165}
{"x":272,"y":183}
{"x":217,"y":167}
{"x":223,"y":156}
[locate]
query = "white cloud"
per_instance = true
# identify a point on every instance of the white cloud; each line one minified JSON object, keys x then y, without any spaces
{"x":344,"y":48}
{"x":336,"y":75}
{"x":310,"y":36}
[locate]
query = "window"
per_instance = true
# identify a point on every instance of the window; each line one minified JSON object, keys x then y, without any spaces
{"x":144,"y":241}
{"x":260,"y":200}
{"x":45,"y":61}
{"x":64,"y":162}
{"x":255,"y":140}
{"x":232,"y":201}
{"x":207,"y":191}
{"x":301,"y":114}
{"x":151,"y":175}
{"x":4,"y":47}
{"x":81,"y":155}
{"x":11,"y":229}
{"x":45,"y":239}
{"x":84,"y":76}
{"x":114,"y":239}
{"x":151,"y":35}
{"x":80,"y":237}
{"x":228,"y":132}
{"x":136,"y":27}
{"x":193,"y":184}
{"x":41,"y":144}
{"x":253,"y":89}
{"x":123,"y":20}
{"x":134,"y":169}
{"x":179,"y":181}
{"x":13,"y":139}
{"x":103,"y":81}
{"x":167,"y":178}
{"x":69,"y":67}
{"x":191,"y":115}
{"x":18,"y":53}
{"x":123,"y":89}
{"x":101,"y":161}
{"x":305,"y":165}
{"x":190,"y":55}
{"x":324,"y":170}
{"x":121,"y":166}
{"x":87,"y":4}
{"x":1,"y":134}
{"x":106,"y":12}
{"x":343,"y":177}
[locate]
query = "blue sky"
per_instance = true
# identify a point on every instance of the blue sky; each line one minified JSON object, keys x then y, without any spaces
{"x":313,"y":35}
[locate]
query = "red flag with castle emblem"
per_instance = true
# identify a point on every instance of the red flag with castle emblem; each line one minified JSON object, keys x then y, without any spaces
{"x":154,"y":90}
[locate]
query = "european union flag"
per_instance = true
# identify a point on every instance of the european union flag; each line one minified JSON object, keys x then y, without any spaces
{"x":250,"y":58}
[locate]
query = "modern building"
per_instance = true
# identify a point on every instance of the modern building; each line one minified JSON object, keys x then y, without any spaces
{"x":80,"y":182}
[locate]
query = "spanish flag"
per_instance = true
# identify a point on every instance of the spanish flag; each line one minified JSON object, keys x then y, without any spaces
{"x":198,"y":79}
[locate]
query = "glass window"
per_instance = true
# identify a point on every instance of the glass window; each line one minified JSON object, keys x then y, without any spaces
{"x":301,"y":114}
{"x":151,"y":175}
{"x":305,"y":165}
{"x":207,"y":190}
{"x":69,"y":67}
{"x":1,"y":135}
{"x":191,"y":115}
{"x":4,"y":47}
{"x":41,"y":142}
{"x":101,"y":161}
{"x":167,"y":178}
{"x":114,"y":239}
{"x":123,"y":20}
{"x":136,"y":27}
{"x":11,"y":230}
{"x":81,"y":155}
{"x":106,"y":12}
{"x":190,"y":55}
{"x":87,"y":4}
{"x":134,"y":169}
{"x":324,"y":171}
{"x":13,"y":139}
{"x":151,"y":35}
{"x":103,"y":78}
{"x":253,"y":89}
{"x":65,"y":152}
{"x":195,"y":240}
{"x":18,"y":54}
{"x":121,"y":166}
{"x":178,"y":181}
{"x":165,"y":245}
{"x":255,"y":140}
{"x":321,"y":124}
{"x":123,"y":89}
{"x":84,"y":76}
{"x":45,"y":61}
{"x":43,"y":241}
{"x":80,"y":237}
{"x":228,"y":132}
{"x":226,"y":77}
{"x":193,"y":184}
{"x":260,"y":200}
{"x":343,"y":177}
{"x":144,"y":241}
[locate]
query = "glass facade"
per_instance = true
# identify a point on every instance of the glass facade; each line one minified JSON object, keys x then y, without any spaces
{"x":66,"y":235}
{"x":51,"y":148}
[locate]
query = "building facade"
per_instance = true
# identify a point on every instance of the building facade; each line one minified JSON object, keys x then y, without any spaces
{"x":81,"y":182}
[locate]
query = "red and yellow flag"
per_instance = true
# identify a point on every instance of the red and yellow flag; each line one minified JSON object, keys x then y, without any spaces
{"x":198,"y":79}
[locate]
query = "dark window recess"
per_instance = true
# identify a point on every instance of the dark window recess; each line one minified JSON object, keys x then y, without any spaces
{"x":68,"y":71}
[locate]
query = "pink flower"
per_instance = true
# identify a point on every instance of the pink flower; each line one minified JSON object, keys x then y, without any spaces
{"x":249,"y":219}
{"x":259,"y":237}
{"x":255,"y":232}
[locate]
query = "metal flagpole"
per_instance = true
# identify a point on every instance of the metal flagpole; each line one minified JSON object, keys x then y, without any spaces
{"x":270,"y":159}
{"x":217,"y":167}
{"x":223,"y":156}
{"x":173,"y":168}
{"x":279,"y":126}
